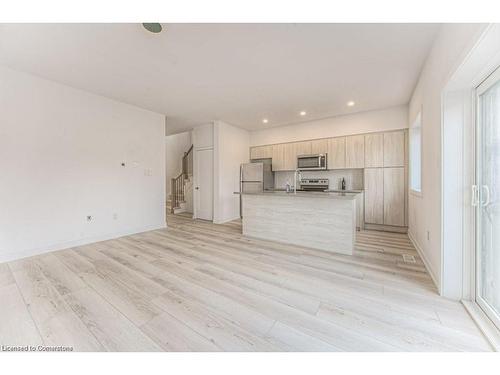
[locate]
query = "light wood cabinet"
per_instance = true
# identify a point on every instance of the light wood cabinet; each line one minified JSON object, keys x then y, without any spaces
{"x":394,"y":149}
{"x":355,"y":151}
{"x":302,"y":148}
{"x":278,"y":155}
{"x":284,"y":155}
{"x":319,"y":146}
{"x":374,"y":150}
{"x":288,"y":152}
{"x":374,"y":195}
{"x":261,"y":152}
{"x":336,"y":153}
{"x":290,"y":157}
{"x":394,"y":196}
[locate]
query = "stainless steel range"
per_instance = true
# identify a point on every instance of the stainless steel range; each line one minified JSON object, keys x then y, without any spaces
{"x":314,"y":184}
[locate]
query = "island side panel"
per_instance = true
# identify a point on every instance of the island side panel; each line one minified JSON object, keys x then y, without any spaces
{"x":320,"y":223}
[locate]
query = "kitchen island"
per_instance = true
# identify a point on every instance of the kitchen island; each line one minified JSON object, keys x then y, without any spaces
{"x":319,"y":220}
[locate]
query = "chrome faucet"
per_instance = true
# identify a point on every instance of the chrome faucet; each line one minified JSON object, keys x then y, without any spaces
{"x":295,"y":174}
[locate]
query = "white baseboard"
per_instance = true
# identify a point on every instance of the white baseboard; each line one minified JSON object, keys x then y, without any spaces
{"x":425,"y":260}
{"x":80,"y":242}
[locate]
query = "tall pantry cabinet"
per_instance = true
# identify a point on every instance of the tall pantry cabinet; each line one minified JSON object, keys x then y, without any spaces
{"x":385,"y":178}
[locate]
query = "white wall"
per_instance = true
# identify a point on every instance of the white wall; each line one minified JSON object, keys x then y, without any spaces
{"x":451,"y":45}
{"x":61,"y":151}
{"x":357,"y":123}
{"x":175,"y":147}
{"x":203,"y":136}
{"x":231,"y":148}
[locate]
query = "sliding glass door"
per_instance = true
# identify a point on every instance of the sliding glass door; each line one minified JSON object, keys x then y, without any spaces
{"x":486,"y":197}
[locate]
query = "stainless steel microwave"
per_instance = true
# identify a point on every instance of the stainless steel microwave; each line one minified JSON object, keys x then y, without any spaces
{"x":311,"y":162}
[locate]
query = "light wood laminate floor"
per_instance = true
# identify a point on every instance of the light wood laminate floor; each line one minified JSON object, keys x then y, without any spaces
{"x":197,"y":286}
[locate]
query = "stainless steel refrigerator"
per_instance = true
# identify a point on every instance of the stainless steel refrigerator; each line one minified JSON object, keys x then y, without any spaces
{"x":256,"y":176}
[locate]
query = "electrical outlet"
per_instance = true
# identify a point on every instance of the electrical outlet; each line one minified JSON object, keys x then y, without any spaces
{"x":89,"y":218}
{"x":148,"y":172}
{"x":115,"y":216}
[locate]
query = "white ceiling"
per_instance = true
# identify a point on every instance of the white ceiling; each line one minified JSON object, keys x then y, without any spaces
{"x":238,"y":73}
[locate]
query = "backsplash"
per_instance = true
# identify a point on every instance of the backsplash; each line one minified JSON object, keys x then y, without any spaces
{"x":353,"y":178}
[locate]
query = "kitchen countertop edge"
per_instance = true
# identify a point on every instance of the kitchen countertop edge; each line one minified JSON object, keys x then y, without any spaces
{"x":302,"y":194}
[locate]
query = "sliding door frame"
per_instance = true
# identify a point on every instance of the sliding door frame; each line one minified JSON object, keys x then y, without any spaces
{"x":486,"y":84}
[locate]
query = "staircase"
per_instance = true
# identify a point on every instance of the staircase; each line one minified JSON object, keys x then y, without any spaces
{"x":184,"y":201}
{"x":181,"y":196}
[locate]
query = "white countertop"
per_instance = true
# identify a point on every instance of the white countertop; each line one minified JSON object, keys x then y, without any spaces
{"x":305,"y":194}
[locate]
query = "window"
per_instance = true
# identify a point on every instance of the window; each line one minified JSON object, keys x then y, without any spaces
{"x":416,"y":154}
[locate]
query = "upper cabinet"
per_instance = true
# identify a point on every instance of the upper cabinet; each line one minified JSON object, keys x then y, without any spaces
{"x":319,"y":146}
{"x":301,"y":148}
{"x":293,"y":150}
{"x":355,"y":151}
{"x":394,"y":149}
{"x":278,"y":155}
{"x":261,"y":152}
{"x":290,"y":157}
{"x":374,"y":150}
{"x":285,"y":155}
{"x":336,"y":153}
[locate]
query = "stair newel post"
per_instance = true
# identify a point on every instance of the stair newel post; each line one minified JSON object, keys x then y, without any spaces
{"x":172,"y":194}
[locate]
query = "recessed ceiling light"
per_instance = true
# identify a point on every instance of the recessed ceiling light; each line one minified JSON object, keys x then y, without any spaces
{"x":265,"y":121}
{"x":154,"y":28}
{"x":303,"y":113}
{"x":350,"y":103}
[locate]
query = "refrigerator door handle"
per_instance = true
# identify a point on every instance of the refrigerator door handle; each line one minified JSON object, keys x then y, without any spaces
{"x":241,"y":191}
{"x":241,"y":179}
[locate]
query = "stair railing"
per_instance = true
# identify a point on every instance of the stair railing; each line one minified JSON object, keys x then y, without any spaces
{"x":187,"y":162}
{"x":177,"y":189}
{"x":177,"y":183}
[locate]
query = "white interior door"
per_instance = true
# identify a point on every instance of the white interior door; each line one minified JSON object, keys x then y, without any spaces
{"x":203,"y":188}
{"x":487,"y":197}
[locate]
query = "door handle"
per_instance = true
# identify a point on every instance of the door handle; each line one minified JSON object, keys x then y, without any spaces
{"x":475,"y":196}
{"x":487,"y":201}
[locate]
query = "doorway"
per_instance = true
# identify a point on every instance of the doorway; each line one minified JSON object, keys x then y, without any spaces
{"x":486,"y":197}
{"x":203,"y":184}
